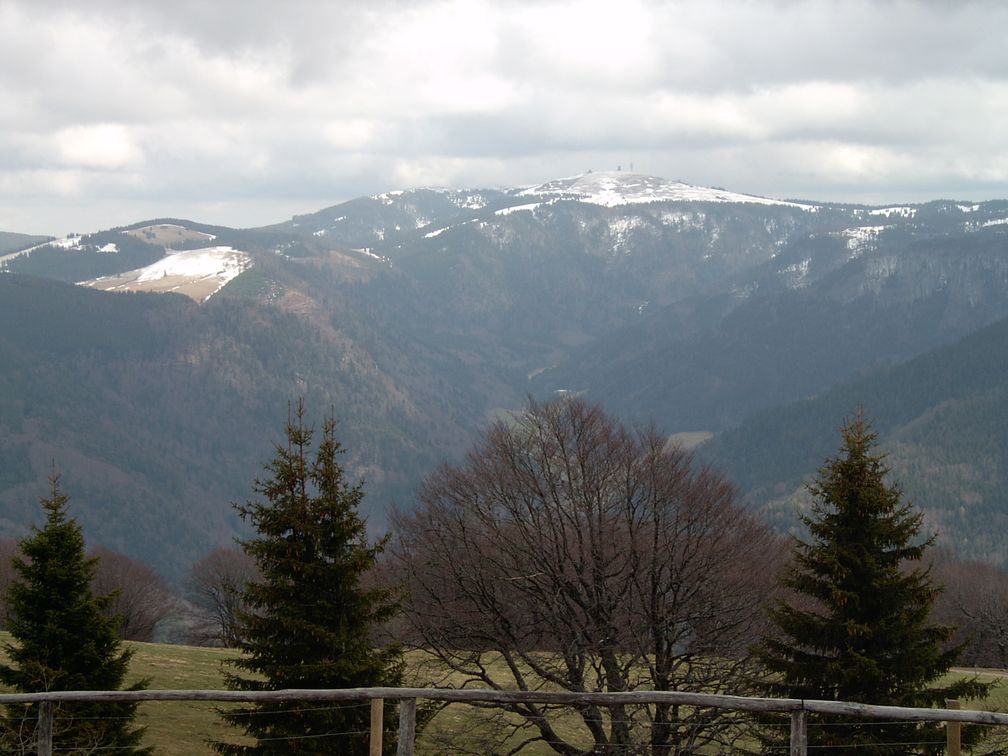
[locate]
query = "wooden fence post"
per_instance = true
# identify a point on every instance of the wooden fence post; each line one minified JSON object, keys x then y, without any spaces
{"x":377,"y":726}
{"x":407,"y":726}
{"x":799,"y":732}
{"x":953,"y":732}
{"x":45,"y":728}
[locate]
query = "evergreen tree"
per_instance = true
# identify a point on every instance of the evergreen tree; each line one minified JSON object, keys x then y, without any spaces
{"x":64,"y":641}
{"x":310,"y":620}
{"x":858,"y":629}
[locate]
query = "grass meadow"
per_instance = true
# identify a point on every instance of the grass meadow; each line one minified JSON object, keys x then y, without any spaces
{"x":177,"y":728}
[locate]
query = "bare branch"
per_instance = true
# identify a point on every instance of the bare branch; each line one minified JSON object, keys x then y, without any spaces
{"x":568,"y":552}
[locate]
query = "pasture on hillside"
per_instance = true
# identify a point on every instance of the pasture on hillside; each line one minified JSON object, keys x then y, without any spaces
{"x":184,"y":728}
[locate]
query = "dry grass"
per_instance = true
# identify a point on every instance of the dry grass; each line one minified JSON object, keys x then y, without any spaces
{"x":179,"y":728}
{"x":167,"y":235}
{"x":184,"y":728}
{"x":198,"y":289}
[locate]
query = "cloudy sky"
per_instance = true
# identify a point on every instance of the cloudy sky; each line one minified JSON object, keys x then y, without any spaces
{"x":244,"y":113}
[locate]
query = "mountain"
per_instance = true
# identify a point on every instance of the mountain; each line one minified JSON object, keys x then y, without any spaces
{"x":159,"y":413}
{"x":941,"y":417}
{"x":11,"y":243}
{"x":418,"y":315}
{"x":823,"y":305}
{"x":613,"y":189}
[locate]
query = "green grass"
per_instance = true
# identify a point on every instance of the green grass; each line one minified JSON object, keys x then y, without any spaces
{"x":183,"y":728}
{"x":998,"y":698}
{"x":178,"y":728}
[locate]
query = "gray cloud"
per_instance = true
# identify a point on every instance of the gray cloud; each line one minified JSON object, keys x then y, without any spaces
{"x":117,"y":110}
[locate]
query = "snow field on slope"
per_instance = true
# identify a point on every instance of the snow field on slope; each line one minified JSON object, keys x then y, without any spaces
{"x":612,"y":188}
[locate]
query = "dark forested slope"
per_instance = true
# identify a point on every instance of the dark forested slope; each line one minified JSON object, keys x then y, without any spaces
{"x":159,"y":412}
{"x":942,"y":417}
{"x":419,"y":314}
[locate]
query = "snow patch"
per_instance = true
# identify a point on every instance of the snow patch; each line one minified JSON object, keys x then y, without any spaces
{"x":473,"y":202}
{"x":968,"y":208}
{"x":439,"y":231}
{"x":796,"y":273}
{"x":198,"y":273}
{"x":612,"y":188}
{"x":621,"y":228}
{"x":517,"y":208}
{"x":388,"y":198}
{"x":687,"y":219}
{"x":995,"y":222}
{"x":110,"y":248}
{"x":861,"y":237}
{"x":900,"y":212}
{"x":222,"y":263}
{"x":70,"y":242}
{"x":367,"y":252}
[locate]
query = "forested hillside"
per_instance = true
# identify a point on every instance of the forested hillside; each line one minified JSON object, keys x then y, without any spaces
{"x":94,"y":255}
{"x":11,"y":242}
{"x":825,"y":307}
{"x":419,"y":315}
{"x":159,"y":412}
{"x":942,"y":418}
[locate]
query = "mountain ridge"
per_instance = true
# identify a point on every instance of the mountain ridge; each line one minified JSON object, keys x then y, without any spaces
{"x":419,"y":315}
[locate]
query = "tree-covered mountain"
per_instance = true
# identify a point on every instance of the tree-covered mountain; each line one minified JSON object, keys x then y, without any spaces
{"x":81,"y":257}
{"x":420,"y":314}
{"x":942,"y":418}
{"x":13,"y":242}
{"x":159,"y":412}
{"x":824,"y":305}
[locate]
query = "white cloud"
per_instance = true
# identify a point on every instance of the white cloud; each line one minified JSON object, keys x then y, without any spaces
{"x":600,"y":44}
{"x":146,"y":108}
{"x":103,"y":146}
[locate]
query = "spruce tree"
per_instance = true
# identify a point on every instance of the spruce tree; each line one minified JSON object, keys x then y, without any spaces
{"x":64,"y":640}
{"x":858,"y":626}
{"x":309,"y":621}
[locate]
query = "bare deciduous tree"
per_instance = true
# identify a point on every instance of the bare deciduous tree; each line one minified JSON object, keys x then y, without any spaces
{"x":568,"y":552}
{"x":140,"y":597}
{"x":215,"y":589}
{"x":975,"y":600}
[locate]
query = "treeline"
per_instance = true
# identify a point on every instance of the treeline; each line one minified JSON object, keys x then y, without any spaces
{"x":88,"y":261}
{"x":565,"y":550}
{"x":12,"y":242}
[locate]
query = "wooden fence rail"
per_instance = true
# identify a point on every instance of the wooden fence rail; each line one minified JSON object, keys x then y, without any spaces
{"x":797,"y":709}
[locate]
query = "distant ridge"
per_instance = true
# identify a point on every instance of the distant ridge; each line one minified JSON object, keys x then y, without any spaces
{"x":612,"y":188}
{"x":12,"y":242}
{"x":419,"y":314}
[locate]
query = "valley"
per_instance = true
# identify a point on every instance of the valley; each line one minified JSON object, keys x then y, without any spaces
{"x":420,"y":315}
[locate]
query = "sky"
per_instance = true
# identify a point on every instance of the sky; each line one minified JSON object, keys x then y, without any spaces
{"x":245,"y":113}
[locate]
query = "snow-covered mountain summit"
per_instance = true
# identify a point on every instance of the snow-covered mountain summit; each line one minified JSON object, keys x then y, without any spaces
{"x":611,"y":188}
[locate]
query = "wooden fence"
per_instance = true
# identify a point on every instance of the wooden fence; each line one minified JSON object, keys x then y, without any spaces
{"x":798,"y":710}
